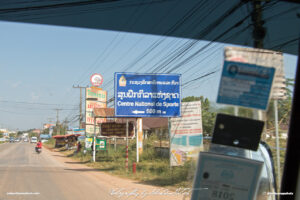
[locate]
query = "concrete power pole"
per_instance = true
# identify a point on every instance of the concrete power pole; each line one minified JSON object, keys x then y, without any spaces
{"x":57,"y":121}
{"x":258,"y":34}
{"x":259,"y":31}
{"x":80,"y":105}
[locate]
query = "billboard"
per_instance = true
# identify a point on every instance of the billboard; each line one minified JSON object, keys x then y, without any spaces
{"x":147,"y":95}
{"x":89,"y":118}
{"x":80,"y":131}
{"x":45,"y":126}
{"x":113,"y":129}
{"x":186,"y":134}
{"x":89,"y":129}
{"x":95,"y":98}
{"x":100,"y":143}
{"x":261,"y":57}
{"x":88,"y":142}
{"x":96,"y":93}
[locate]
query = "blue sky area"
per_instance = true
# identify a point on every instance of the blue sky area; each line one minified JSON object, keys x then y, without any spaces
{"x":39,"y":65}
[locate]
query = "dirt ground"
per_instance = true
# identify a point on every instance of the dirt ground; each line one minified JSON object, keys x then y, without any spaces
{"x":122,"y":188}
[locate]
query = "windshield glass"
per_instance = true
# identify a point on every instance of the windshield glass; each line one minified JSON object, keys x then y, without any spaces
{"x":79,"y":92}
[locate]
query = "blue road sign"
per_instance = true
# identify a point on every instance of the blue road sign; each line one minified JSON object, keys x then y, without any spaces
{"x":245,"y":85}
{"x":147,"y":95}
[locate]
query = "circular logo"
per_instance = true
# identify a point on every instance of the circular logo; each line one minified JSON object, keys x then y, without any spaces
{"x":233,"y":69}
{"x":96,"y":79}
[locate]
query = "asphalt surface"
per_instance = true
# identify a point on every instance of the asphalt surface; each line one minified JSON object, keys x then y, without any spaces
{"x":26,"y":175}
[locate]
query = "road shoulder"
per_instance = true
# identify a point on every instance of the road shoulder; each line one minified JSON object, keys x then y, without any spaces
{"x":119,"y":187}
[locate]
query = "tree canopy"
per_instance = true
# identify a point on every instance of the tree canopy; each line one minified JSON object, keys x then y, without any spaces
{"x":208,"y":116}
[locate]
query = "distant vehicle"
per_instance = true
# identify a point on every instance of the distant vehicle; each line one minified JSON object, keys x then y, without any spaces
{"x":43,"y":141}
{"x":11,"y":139}
{"x":33,"y":140}
{"x":25,"y":140}
{"x":17,"y":139}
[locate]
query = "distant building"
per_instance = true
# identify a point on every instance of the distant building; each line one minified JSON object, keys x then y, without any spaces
{"x":38,"y":131}
{"x":24,"y":135}
{"x":45,"y":126}
{"x":3,"y":130}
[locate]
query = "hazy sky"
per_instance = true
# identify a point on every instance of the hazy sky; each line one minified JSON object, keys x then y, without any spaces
{"x":39,"y":65}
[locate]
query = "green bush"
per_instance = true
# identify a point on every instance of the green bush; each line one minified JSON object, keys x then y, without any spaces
{"x":50,"y":143}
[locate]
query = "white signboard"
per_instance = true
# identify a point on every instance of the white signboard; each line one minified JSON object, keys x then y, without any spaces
{"x":95,"y":98}
{"x":90,"y":105}
{"x":186,"y":134}
{"x":89,"y":118}
{"x":261,"y":57}
{"x":96,"y":93}
{"x":226,"y":177}
{"x":89,"y":129}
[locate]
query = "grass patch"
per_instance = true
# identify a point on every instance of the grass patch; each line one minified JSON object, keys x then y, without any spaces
{"x":153,"y":168}
{"x":282,"y":144}
{"x":50,"y":143}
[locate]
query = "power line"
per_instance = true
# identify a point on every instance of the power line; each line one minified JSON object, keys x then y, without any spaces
{"x":31,"y":103}
{"x":18,"y":113}
{"x":80,"y":104}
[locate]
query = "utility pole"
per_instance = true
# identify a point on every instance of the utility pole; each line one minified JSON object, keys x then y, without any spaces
{"x":80,"y":104}
{"x":57,"y":121}
{"x":258,"y":34}
{"x":259,"y":31}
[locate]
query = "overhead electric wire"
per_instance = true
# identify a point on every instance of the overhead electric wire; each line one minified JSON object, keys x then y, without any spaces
{"x":32,"y":108}
{"x":34,"y":103}
{"x":65,"y":11}
{"x":207,"y":30}
{"x":200,"y":77}
{"x":224,"y":16}
{"x":143,"y":55}
{"x":181,"y":52}
{"x":18,"y":113}
{"x":236,"y":25}
{"x":107,"y":53}
{"x":103,"y":53}
{"x":134,"y":12}
{"x":175,"y":53}
{"x":159,"y":41}
{"x":77,"y":4}
{"x":293,"y":41}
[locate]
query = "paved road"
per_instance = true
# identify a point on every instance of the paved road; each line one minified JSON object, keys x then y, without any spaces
{"x":26,"y":175}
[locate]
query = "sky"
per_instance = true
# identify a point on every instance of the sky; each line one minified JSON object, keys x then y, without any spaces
{"x":40,"y":64}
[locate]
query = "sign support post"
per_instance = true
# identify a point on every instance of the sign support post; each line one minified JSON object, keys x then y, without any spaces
{"x":94,"y":142}
{"x":170,"y":140}
{"x":126,"y":162}
{"x":137,"y":141}
{"x":277,"y":141}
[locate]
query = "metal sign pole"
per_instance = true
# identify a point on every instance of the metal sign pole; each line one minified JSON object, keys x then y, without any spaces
{"x":236,"y":111}
{"x":277,"y":141}
{"x":170,"y":140}
{"x":94,"y":142}
{"x":126,"y":164}
{"x":137,"y":142}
